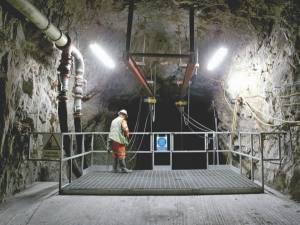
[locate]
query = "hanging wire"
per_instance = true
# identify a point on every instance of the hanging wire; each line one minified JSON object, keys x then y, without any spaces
{"x":283,"y":121}
{"x":195,"y":132}
{"x":133,"y":138}
{"x":105,"y":143}
{"x":153,"y":116}
{"x":287,"y":96}
{"x":179,"y":43}
{"x":233,"y":125}
{"x":202,"y":127}
{"x":141,"y":139}
{"x":222,"y":83}
{"x":144,"y":46}
{"x":186,"y":120}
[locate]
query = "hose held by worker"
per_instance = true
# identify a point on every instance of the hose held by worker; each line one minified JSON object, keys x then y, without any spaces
{"x":118,"y":140}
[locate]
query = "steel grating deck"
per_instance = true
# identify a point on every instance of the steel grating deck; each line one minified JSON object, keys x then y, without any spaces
{"x":164,"y":182}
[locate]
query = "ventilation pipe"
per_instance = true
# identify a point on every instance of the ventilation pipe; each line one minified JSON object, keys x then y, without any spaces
{"x":63,"y":43}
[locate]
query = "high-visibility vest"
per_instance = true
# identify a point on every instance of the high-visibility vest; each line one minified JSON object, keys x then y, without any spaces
{"x":116,"y":132}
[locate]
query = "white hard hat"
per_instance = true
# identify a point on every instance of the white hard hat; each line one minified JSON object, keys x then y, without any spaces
{"x":123,"y":111}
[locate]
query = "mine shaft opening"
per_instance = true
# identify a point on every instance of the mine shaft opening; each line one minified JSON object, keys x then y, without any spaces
{"x":167,"y":118}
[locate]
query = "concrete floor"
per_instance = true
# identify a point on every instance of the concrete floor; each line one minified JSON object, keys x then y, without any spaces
{"x":41,"y":204}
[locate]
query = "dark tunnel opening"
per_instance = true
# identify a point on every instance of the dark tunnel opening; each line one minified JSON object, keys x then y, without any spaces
{"x":168,"y":118}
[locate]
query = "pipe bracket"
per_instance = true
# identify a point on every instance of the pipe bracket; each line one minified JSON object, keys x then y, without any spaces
{"x":48,"y":26}
{"x":61,"y":34}
{"x":67,"y":46}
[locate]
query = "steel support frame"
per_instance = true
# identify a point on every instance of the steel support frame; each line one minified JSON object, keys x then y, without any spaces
{"x":192,"y":59}
{"x":132,"y":66}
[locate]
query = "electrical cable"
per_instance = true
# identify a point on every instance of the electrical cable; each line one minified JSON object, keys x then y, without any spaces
{"x":233,"y":125}
{"x":260,"y":119}
{"x":190,"y":118}
{"x":199,"y":135}
{"x":141,"y":140}
{"x":153,"y":116}
{"x":287,"y":96}
{"x":220,"y":81}
{"x":206,"y":129}
{"x":222,"y":84}
{"x":186,"y":121}
{"x":132,"y":140}
{"x":284,"y":121}
{"x":292,"y":104}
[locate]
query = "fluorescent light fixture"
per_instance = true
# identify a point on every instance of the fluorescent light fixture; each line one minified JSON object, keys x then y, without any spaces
{"x":102,"y":55}
{"x":217,"y":58}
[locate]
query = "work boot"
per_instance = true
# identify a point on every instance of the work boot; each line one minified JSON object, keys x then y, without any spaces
{"x":123,"y":167}
{"x":115,"y":166}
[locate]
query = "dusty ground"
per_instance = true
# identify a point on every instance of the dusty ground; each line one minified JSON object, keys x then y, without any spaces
{"x":41,"y":204}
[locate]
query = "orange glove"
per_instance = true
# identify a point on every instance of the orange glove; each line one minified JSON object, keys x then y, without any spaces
{"x":126,"y":132}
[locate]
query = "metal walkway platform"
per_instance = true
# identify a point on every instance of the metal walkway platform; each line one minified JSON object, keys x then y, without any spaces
{"x":164,"y":182}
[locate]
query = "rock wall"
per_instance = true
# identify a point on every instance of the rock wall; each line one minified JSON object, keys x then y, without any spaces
{"x":27,"y":101}
{"x":264,"y":76}
{"x":28,"y":73}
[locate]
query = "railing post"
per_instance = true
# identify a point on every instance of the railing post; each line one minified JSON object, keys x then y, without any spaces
{"x":29,"y":145}
{"x":206,"y":147}
{"x":230,"y":141}
{"x":262,"y":162}
{"x":71,"y":164}
{"x":60,"y":165}
{"x":152,"y":148}
{"x":217,"y":148}
{"x":82,"y":151}
{"x":279,"y":146}
{"x":251,"y":167}
{"x":171,"y":148}
{"x":240,"y":150}
{"x":214,"y":148}
{"x":92,"y":149}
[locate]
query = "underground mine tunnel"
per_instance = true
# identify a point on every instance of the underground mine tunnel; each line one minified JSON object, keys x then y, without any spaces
{"x":51,"y":81}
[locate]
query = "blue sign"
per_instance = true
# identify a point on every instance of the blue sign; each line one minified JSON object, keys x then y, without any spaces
{"x":161,"y":143}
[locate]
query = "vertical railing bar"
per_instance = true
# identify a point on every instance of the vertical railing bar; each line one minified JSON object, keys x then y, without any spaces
{"x":230,"y":141}
{"x":206,"y":147}
{"x":92,"y":149}
{"x":217,"y":146}
{"x":152,"y":148}
{"x":262,"y":162}
{"x":82,"y":151}
{"x":214,"y":148}
{"x":29,"y":146}
{"x":60,"y":167}
{"x":240,"y":150}
{"x":171,"y":148}
{"x":279,"y":146}
{"x":171,"y":144}
{"x":71,"y":154}
{"x":251,"y":141}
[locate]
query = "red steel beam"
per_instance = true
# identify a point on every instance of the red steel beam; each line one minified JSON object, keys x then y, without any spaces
{"x":187,"y":76}
{"x":192,"y":61}
{"x":131,"y":65}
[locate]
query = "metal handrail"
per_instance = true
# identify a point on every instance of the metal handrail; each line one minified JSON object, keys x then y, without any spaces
{"x":206,"y":135}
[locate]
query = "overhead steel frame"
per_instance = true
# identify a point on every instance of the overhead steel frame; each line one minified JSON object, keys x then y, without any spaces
{"x":133,"y":68}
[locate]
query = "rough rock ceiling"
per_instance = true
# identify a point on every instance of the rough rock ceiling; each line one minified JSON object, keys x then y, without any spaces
{"x":232,"y":23}
{"x":246,"y":28}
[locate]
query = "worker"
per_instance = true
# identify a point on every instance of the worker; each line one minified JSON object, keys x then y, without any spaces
{"x":118,"y":139}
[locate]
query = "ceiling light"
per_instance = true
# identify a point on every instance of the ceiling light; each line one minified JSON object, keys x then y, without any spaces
{"x":102,"y":55}
{"x":217,"y":58}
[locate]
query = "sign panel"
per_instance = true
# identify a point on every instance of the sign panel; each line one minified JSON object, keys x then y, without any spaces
{"x":52,"y":146}
{"x":162,"y":143}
